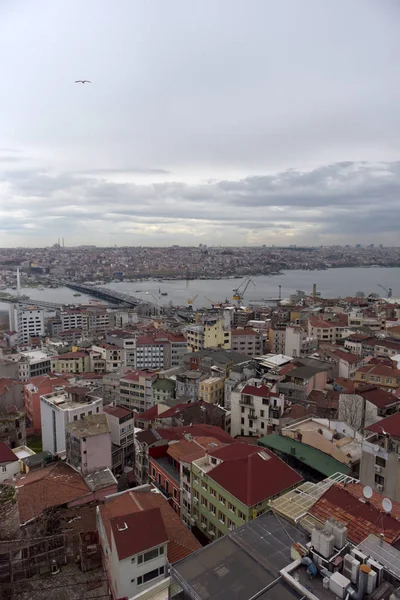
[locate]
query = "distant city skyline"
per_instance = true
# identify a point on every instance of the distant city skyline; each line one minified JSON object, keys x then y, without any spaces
{"x":225,"y":123}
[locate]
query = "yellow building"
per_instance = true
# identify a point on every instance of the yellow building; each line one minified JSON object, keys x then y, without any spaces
{"x":211,"y":390}
{"x":383,"y":376}
{"x":209,"y":334}
{"x":71,"y":362}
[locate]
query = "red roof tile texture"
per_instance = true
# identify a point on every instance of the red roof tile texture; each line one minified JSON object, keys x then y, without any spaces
{"x":390,"y":425}
{"x":361,"y":518}
{"x":181,"y":542}
{"x":263,"y":391}
{"x":137,"y":532}
{"x":49,"y":487}
{"x":377,"y":396}
{"x":118,"y":411}
{"x":252,"y":475}
{"x":192,"y":449}
{"x":6,"y":454}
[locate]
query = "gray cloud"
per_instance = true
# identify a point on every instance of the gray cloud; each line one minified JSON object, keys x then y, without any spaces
{"x":338,"y":199}
{"x":224,"y":122}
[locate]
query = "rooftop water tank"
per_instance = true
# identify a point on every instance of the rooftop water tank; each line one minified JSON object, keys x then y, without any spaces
{"x":326,"y":544}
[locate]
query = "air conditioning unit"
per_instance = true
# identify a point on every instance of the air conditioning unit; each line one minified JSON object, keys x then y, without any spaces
{"x":211,"y":532}
{"x":379,"y":487}
{"x":192,"y":521}
{"x":203,"y":525}
{"x":196,"y":500}
{"x":378,"y":469}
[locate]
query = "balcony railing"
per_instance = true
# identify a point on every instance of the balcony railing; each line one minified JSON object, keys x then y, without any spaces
{"x":246,"y":400}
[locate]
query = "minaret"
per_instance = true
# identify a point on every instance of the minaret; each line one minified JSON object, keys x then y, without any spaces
{"x":18,"y":283}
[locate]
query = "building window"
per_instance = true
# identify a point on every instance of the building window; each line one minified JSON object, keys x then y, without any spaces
{"x":381,"y":462}
{"x":221,"y":499}
{"x":242,"y":421}
{"x":231,"y":507}
{"x":212,"y":492}
{"x":379,"y":480}
{"x":221,"y":517}
{"x":175,"y":493}
{"x":150,"y":575}
{"x":241,"y":515}
{"x":204,"y":486}
{"x":212,"y":509}
{"x":204,"y":501}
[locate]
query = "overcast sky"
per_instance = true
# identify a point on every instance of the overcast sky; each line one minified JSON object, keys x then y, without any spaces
{"x":214,"y":121}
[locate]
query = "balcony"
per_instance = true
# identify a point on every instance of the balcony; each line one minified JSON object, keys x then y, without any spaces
{"x":252,"y":416}
{"x":246,"y":400}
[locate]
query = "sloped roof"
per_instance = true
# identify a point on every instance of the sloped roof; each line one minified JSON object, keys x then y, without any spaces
{"x":361,"y":518}
{"x":252,"y":475}
{"x":181,"y":542}
{"x":137,"y":532}
{"x":6,"y":454}
{"x":309,"y":456}
{"x":375,"y":395}
{"x":390,"y":424}
{"x":193,"y":449}
{"x":48,"y":487}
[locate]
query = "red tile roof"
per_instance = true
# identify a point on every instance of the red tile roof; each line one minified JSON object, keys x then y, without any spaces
{"x":192,"y":449}
{"x":375,"y":395}
{"x":346,"y":356}
{"x":147,"y":415}
{"x":263,"y":391}
{"x":249,"y":476}
{"x":245,"y":331}
{"x":48,"y":487}
{"x":151,"y":436}
{"x":380,"y":369}
{"x":118,"y":411}
{"x":346,"y":384}
{"x":390,"y":424}
{"x":137,"y":532}
{"x":6,"y":384}
{"x":6,"y":454}
{"x":70,"y":356}
{"x":181,"y":542}
{"x":134,"y":375}
{"x":361,"y":518}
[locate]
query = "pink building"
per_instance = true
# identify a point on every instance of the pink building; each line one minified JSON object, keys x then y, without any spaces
{"x":88,"y":444}
{"x":36,"y":387}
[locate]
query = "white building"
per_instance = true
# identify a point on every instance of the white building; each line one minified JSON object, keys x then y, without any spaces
{"x":9,"y":463}
{"x":27,"y":321}
{"x":254,"y":409}
{"x":73,"y":319}
{"x":298,"y":342}
{"x":120,"y":421}
{"x":60,"y":408}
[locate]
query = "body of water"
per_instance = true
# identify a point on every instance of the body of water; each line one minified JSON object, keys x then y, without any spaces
{"x":330,"y":283}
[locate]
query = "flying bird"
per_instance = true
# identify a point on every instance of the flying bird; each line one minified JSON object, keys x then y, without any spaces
{"x":83,"y":81}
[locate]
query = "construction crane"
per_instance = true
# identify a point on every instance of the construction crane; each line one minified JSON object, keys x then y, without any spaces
{"x":191,"y":300}
{"x":387,"y":290}
{"x":239,"y":292}
{"x":214,"y":304}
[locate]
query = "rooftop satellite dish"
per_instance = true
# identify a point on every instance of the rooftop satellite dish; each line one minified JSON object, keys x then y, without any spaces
{"x":387,"y":505}
{"x":367,"y":492}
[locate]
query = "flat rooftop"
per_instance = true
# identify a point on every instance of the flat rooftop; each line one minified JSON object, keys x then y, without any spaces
{"x":243,"y":564}
{"x":65,"y":402}
{"x":89,"y":426}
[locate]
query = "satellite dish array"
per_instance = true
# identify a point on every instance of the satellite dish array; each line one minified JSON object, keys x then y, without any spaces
{"x":386,"y":502}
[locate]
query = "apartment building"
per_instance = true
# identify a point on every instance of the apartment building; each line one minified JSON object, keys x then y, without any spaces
{"x":12,"y":427}
{"x":233,"y":485}
{"x":255,"y":410}
{"x":112,"y":355}
{"x":247,"y":341}
{"x":27,"y":321}
{"x":73,"y":318}
{"x":163,"y":390}
{"x":382,"y":375}
{"x":327,"y":331}
{"x":71,"y":362}
{"x":298,"y":342}
{"x":380,"y":459}
{"x":211,"y":333}
{"x":125,"y":340}
{"x":136,"y":391}
{"x":88,"y":443}
{"x":37,"y":387}
{"x":212,"y":390}
{"x":299,"y":382}
{"x":277,"y":338}
{"x":62,"y":407}
{"x":31,"y":363}
{"x":121,"y":425}
{"x":140,"y":537}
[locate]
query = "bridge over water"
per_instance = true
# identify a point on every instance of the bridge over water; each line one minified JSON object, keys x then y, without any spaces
{"x":10,"y":299}
{"x":105,"y":293}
